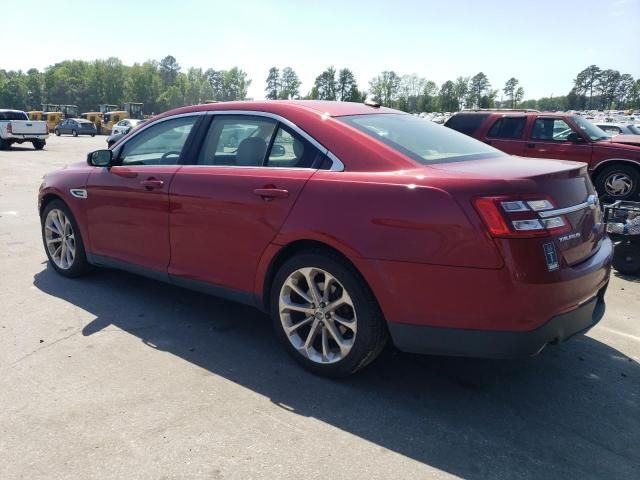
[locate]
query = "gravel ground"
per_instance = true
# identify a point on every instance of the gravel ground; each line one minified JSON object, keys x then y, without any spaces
{"x":114,"y":376}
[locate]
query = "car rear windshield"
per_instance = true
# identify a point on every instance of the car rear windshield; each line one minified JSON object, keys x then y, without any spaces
{"x":13,"y":116}
{"x":466,"y":123}
{"x":634,"y":129}
{"x":420,"y":139}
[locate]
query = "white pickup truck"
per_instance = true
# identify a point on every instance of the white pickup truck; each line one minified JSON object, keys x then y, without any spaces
{"x":15,"y":127}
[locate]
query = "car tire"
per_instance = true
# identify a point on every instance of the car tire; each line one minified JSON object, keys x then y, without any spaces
{"x":626,"y":257}
{"x":4,"y":144}
{"x":74,"y":133}
{"x":362,"y":330}
{"x":39,"y":144}
{"x":93,"y":135}
{"x":618,"y":182}
{"x":60,"y":230}
{"x":57,"y":132}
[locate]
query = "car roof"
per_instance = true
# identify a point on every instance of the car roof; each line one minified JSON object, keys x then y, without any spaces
{"x":323,"y":107}
{"x":11,"y":110}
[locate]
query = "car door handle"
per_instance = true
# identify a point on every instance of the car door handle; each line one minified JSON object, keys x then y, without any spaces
{"x":488,"y":142}
{"x":151,"y":183}
{"x":269,"y":193}
{"x":531,"y":145}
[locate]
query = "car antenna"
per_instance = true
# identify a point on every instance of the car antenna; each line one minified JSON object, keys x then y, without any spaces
{"x":371,"y":103}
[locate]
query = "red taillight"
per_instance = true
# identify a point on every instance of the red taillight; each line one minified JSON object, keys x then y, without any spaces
{"x":518,"y":217}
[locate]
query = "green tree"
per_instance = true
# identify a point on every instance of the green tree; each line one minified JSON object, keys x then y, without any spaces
{"x":385,"y":88}
{"x":478,"y":88}
{"x":289,"y":84}
{"x":510,"y":90}
{"x":448,"y":101}
{"x":273,"y":84}
{"x":235,"y":84}
{"x":325,"y":84}
{"x":461,"y":91}
{"x":169,"y":69}
{"x":347,"y":87}
{"x":586,"y":82}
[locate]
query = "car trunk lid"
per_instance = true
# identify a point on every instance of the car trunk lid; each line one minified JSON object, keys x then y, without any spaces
{"x":566,"y":185}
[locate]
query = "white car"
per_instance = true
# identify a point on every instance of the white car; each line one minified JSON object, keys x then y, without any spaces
{"x":613,"y":129}
{"x":123,"y":126}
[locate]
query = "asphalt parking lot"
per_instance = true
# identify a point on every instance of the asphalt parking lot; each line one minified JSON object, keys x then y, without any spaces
{"x":114,"y":376}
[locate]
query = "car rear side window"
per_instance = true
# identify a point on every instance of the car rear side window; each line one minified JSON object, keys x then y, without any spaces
{"x":508,"y":127}
{"x":237,"y":140}
{"x":289,"y":150}
{"x":466,"y":123}
{"x":419,"y":139}
{"x":13,"y":116}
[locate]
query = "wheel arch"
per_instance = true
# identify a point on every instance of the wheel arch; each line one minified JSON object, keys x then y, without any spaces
{"x":47,"y":198}
{"x":287,"y":251}
{"x":612,"y":162}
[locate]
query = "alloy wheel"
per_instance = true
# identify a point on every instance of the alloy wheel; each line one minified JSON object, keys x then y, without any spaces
{"x":317,"y":315}
{"x":60,"y":239}
{"x":618,"y":184}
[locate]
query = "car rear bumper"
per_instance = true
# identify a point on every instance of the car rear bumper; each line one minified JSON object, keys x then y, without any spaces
{"x":498,"y":344}
{"x":28,"y":136}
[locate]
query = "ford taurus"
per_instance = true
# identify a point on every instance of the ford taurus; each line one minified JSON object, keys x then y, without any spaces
{"x":349,"y":223}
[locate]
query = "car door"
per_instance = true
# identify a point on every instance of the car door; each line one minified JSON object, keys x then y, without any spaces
{"x":227,"y":208}
{"x":507,"y":134}
{"x":62,"y":128}
{"x":128,"y":203}
{"x":549,"y":137}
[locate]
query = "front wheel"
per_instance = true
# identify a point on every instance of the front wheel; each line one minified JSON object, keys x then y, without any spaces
{"x":325,"y":314}
{"x":93,"y":135}
{"x":57,"y":132}
{"x":618,"y":182}
{"x":74,"y":133}
{"x":62,"y":240}
{"x":39,"y":144}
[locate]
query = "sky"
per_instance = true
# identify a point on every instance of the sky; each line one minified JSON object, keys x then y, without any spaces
{"x":543,"y":43}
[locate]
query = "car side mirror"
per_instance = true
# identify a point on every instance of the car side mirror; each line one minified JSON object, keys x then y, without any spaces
{"x":277,"y":151}
{"x":574,"y":138}
{"x":100,"y":158}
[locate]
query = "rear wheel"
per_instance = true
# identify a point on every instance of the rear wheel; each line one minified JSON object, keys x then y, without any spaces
{"x":62,"y":241}
{"x":74,"y":133}
{"x":57,"y":132}
{"x":4,"y":144}
{"x":39,"y":144}
{"x":618,"y":182}
{"x":325,"y":314}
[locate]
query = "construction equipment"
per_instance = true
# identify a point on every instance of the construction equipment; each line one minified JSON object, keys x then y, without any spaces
{"x":95,"y":117}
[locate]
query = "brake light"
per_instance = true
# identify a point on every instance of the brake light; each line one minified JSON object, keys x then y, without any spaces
{"x":518,"y":218}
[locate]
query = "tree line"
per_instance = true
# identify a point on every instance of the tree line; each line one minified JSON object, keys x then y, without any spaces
{"x":159,"y":85}
{"x":164,"y":85}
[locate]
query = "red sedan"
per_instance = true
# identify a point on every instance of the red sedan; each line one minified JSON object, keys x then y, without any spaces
{"x":351,"y":224}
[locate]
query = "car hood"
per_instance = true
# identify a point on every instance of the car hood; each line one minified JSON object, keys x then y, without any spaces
{"x":624,"y":140}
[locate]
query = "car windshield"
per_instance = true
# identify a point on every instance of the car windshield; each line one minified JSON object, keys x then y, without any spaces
{"x":594,"y":132}
{"x":13,"y":116}
{"x":420,"y":139}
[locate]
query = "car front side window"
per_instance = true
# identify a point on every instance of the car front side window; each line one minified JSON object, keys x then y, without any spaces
{"x":160,"y":144}
{"x":551,"y":129}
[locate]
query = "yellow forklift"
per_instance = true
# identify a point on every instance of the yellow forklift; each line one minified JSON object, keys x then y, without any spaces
{"x":130,"y":110}
{"x":52,"y":114}
{"x":35,"y":115}
{"x":94,"y":117}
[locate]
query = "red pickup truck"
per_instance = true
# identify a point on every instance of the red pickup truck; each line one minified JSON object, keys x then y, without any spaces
{"x":614,"y":164}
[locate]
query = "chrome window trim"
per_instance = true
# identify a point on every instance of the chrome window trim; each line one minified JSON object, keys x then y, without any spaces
{"x":591,"y":201}
{"x":337,"y":165}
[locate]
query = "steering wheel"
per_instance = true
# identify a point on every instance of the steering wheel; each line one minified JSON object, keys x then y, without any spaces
{"x":172,"y":152}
